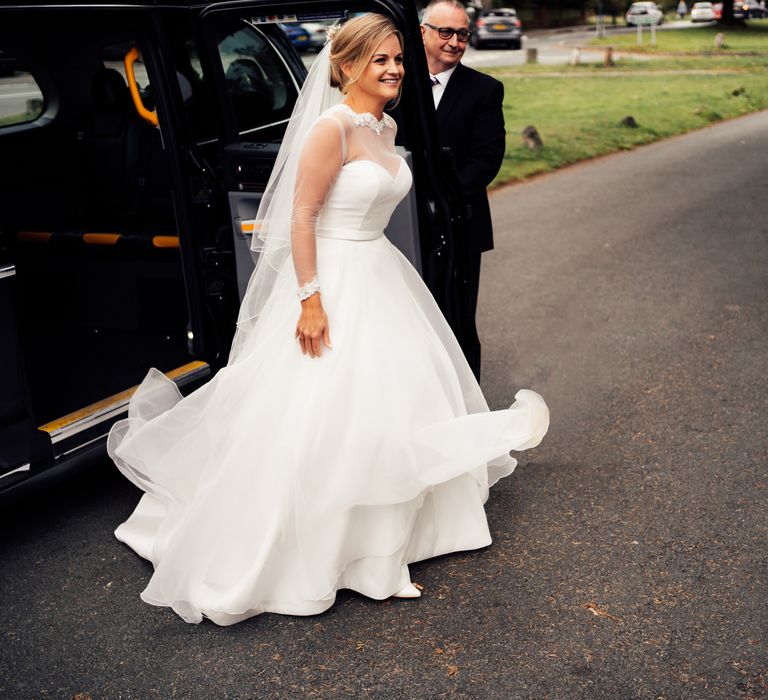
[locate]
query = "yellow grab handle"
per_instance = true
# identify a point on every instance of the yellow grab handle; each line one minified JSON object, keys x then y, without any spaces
{"x":144,"y":113}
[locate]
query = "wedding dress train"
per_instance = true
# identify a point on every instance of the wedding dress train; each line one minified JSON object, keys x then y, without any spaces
{"x":285,"y":478}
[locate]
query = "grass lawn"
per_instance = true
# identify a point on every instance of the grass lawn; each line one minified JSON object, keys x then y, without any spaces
{"x":577,"y":110}
{"x":710,"y":62}
{"x":752,"y":36}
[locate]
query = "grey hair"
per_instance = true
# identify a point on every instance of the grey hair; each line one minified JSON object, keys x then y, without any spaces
{"x":434,"y":3}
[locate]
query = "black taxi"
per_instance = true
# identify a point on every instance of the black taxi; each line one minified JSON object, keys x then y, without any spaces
{"x":136,"y":138}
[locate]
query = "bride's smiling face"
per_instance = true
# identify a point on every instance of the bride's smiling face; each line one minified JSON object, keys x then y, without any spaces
{"x":382,"y":76}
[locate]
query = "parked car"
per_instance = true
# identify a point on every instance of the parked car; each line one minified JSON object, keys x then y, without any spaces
{"x":297,"y":35}
{"x":644,"y":13}
{"x":738,"y":10}
{"x":130,"y":247}
{"x":499,"y":27}
{"x":702,"y":12}
{"x":318,"y":34}
{"x":753,"y":9}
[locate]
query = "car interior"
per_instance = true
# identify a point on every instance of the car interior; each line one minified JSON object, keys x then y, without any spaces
{"x":87,"y":198}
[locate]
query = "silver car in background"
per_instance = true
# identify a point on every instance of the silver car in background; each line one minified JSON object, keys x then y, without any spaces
{"x":703,"y":12}
{"x":499,"y":26}
{"x":318,"y":34}
{"x":644,"y":13}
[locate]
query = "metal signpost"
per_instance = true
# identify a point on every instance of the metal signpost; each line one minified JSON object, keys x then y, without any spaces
{"x":642,"y":20}
{"x":600,"y":26}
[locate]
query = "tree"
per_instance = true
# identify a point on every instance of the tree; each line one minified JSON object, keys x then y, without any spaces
{"x":613,"y":8}
{"x":727,"y":15}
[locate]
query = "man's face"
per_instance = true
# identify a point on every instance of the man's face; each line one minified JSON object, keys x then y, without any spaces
{"x":444,"y":53}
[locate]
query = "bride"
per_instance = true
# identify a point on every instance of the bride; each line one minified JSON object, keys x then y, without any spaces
{"x":331,"y":452}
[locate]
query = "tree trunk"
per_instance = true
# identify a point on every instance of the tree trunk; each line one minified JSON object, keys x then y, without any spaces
{"x":727,"y":16}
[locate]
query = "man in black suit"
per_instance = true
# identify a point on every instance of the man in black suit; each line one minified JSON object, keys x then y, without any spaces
{"x":470,"y":121}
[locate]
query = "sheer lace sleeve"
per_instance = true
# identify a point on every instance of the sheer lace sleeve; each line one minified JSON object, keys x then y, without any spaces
{"x":322,"y":155}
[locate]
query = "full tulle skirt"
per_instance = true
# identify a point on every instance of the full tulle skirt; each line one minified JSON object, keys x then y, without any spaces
{"x":285,"y":479}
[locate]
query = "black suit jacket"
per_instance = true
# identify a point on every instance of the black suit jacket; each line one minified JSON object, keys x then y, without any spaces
{"x":470,"y":121}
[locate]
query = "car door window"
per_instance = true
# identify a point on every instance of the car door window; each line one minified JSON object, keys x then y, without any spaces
{"x":261,"y":88}
{"x":21,"y":100}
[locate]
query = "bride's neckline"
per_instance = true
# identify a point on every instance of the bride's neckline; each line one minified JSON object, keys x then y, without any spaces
{"x":368,"y":119}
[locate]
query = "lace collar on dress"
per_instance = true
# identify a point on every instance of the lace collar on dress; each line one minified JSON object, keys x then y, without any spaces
{"x":367,"y":119}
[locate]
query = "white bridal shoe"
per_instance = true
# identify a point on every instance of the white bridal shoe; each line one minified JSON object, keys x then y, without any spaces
{"x":410,"y":591}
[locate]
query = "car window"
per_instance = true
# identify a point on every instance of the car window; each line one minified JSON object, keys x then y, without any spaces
{"x":259,"y":83}
{"x":21,"y":99}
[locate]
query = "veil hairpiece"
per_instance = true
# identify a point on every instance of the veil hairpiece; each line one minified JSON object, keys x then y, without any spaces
{"x":331,"y":31}
{"x":272,"y":227}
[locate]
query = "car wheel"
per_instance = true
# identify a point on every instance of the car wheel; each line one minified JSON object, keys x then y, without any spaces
{"x":516,"y":45}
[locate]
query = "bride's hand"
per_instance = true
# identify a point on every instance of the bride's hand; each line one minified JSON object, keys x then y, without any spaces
{"x":312,"y":329}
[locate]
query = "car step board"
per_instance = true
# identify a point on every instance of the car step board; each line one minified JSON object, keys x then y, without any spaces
{"x":86,"y":421}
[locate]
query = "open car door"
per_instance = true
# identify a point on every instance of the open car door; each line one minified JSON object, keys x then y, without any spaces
{"x":251,"y":62}
{"x":97,"y":279}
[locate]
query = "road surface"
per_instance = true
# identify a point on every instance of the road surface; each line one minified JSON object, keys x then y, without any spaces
{"x":629,"y":555}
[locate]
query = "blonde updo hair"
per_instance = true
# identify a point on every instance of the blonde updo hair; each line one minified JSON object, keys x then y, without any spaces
{"x":354,"y":43}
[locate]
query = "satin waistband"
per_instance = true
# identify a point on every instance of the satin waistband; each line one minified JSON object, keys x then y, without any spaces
{"x":349,"y":234}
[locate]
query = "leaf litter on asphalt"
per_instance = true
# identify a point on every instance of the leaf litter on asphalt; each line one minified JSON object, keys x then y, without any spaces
{"x":599,"y":612}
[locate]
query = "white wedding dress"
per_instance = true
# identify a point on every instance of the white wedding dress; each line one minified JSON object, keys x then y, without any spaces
{"x":285,"y":478}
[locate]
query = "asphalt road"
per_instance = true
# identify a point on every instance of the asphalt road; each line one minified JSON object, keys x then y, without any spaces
{"x":554,"y":46}
{"x":630,"y":548}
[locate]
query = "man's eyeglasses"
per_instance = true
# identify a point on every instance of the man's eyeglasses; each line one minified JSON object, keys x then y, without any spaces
{"x":447,"y":32}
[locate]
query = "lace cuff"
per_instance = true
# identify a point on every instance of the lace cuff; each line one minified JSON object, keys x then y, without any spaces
{"x":308,"y":289}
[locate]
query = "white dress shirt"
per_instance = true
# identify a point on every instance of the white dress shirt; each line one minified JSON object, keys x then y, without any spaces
{"x":439,"y":89}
